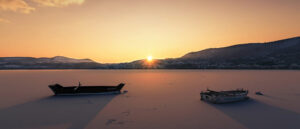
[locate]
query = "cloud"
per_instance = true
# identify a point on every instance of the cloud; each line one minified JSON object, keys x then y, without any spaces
{"x":16,"y":6}
{"x":58,"y":3}
{"x":21,"y":6}
{"x":4,"y":21}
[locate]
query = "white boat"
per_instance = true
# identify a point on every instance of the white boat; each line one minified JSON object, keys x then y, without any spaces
{"x":224,"y":96}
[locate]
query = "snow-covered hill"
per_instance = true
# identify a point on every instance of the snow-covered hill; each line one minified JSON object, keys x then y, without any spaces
{"x":250,"y":50}
{"x":46,"y":63}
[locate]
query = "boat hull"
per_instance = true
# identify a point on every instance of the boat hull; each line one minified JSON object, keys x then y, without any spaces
{"x":224,"y":96}
{"x":221,"y":100}
{"x":82,"y":90}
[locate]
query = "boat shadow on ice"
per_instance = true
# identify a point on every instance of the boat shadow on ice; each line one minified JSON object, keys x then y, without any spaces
{"x":74,"y":111}
{"x":255,"y":114}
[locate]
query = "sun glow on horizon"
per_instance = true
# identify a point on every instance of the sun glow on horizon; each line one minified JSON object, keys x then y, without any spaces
{"x":149,"y":58}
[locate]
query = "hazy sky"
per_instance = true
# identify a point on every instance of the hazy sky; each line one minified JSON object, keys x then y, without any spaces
{"x":126,"y":30}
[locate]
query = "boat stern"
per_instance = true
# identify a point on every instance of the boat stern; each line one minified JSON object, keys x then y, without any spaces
{"x":121,"y":85}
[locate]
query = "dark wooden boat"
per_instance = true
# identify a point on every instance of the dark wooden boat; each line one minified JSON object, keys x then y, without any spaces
{"x":74,"y":90}
{"x":224,"y":96}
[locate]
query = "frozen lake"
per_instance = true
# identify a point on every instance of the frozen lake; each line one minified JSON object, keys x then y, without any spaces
{"x":156,"y":99}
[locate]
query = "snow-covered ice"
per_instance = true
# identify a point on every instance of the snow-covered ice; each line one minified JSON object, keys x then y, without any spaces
{"x":156,"y":99}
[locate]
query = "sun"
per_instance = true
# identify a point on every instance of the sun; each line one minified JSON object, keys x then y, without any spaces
{"x":149,"y":58}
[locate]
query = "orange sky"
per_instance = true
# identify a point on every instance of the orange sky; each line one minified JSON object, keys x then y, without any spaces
{"x":126,"y":30}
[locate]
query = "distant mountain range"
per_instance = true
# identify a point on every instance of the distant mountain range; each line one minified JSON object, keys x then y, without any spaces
{"x":57,"y":62}
{"x":282,"y":54}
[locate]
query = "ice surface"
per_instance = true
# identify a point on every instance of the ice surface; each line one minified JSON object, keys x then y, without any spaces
{"x":156,"y":99}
